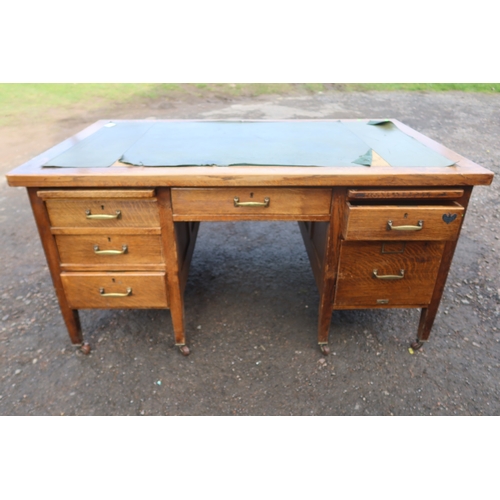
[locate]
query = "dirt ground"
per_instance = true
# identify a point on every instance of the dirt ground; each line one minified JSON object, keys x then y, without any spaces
{"x":251,"y":300}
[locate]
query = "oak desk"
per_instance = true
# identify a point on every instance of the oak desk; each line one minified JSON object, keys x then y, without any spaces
{"x":380,"y":228}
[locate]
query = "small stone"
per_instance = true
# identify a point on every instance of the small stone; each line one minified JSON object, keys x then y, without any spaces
{"x":34,"y":361}
{"x":198,"y":327}
{"x":465,"y":301}
{"x":322,"y":361}
{"x":6,"y":317}
{"x":17,"y":372}
{"x":158,"y":382}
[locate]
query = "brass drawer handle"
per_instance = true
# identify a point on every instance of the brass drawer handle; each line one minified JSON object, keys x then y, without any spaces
{"x":399,"y":276}
{"x":103,"y":294}
{"x":103,"y":216}
{"x":238,"y":203}
{"x":110,"y":252}
{"x":418,"y":227}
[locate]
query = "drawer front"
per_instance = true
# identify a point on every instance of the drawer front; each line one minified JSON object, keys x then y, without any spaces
{"x":404,"y":194}
{"x":246,"y":203}
{"x":109,"y":251}
{"x":103,"y":213}
{"x":133,"y":290}
{"x":431,"y":222}
{"x":365,"y":267}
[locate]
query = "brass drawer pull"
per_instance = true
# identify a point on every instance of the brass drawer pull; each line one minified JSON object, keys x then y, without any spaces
{"x":238,"y":203}
{"x":399,"y":276}
{"x":103,"y":294}
{"x":110,"y":252}
{"x":103,"y":216}
{"x":418,"y":227}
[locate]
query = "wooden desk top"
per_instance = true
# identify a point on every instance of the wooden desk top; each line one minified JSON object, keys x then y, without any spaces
{"x":463,"y":172}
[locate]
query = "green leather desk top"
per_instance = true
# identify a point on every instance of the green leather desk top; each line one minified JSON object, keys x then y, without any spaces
{"x":319,"y":144}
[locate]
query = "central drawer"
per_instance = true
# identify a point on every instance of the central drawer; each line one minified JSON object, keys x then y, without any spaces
{"x":113,"y":290}
{"x":391,"y":273}
{"x":251,"y":203}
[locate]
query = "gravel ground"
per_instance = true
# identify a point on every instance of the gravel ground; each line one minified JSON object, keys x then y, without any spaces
{"x":251,"y":300}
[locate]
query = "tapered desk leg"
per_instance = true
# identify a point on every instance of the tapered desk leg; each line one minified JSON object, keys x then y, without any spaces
{"x":330,"y":267}
{"x":173,"y":264}
{"x":428,"y":314}
{"x":70,"y":316}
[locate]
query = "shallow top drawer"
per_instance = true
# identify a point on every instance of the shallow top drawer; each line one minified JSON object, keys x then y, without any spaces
{"x":399,"y":222}
{"x":101,"y":208}
{"x":371,"y":194}
{"x":251,"y":203}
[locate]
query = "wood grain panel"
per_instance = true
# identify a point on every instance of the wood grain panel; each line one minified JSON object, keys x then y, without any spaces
{"x":79,"y":249}
{"x":365,"y":222}
{"x":148,"y":290}
{"x":186,"y":233}
{"x":95,"y":193}
{"x":357,"y":286}
{"x":72,"y":213}
{"x":315,"y":236}
{"x":218,"y":204}
{"x":376,"y":194}
{"x":106,"y":231}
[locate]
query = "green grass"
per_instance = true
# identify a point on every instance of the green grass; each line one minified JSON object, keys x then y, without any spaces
{"x":18,"y":100}
{"x":33,"y":101}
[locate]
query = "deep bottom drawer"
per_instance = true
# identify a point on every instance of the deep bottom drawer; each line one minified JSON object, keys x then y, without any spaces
{"x":115,"y":290}
{"x":387,"y":274}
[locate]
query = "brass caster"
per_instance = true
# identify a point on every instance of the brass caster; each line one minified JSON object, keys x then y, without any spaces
{"x":85,"y":348}
{"x":184,"y":350}
{"x":325,"y":349}
{"x":417,"y":345}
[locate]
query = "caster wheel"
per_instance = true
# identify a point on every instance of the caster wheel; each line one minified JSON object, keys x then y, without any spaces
{"x":325,"y":349}
{"x":417,"y":345}
{"x":85,"y":348}
{"x":184,"y":350}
